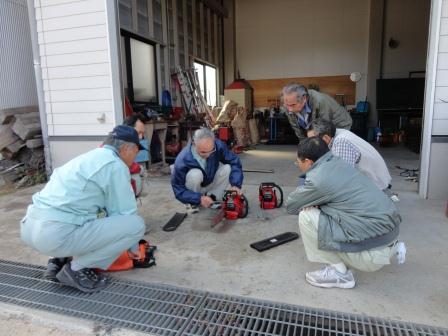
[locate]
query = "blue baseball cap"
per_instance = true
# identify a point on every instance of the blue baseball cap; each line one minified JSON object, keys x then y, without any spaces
{"x":126,"y":133}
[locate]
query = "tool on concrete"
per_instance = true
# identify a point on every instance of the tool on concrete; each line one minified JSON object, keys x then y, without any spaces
{"x":144,"y":258}
{"x":269,"y":171}
{"x":269,"y":243}
{"x":235,"y":206}
{"x":268,"y":197}
{"x":216,"y":205}
{"x":174,"y":222}
{"x":219,"y":217}
{"x":232,"y":207}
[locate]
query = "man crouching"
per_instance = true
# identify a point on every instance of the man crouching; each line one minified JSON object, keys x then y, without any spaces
{"x":344,"y":219}
{"x":87,"y":211}
{"x":203,"y":170}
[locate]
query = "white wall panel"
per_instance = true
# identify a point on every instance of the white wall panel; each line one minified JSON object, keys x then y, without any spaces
{"x":78,"y":46}
{"x":64,"y":151}
{"x":443,"y":61}
{"x":82,"y":119}
{"x":81,"y":106}
{"x":72,"y":8}
{"x":438,"y":183}
{"x":79,"y":95}
{"x":73,"y":34}
{"x":90,"y":57}
{"x":440,"y":110}
{"x":82,"y":130}
{"x":79,"y":83}
{"x":443,"y":44}
{"x":85,"y":70}
{"x":440,"y":127}
{"x":73,"y":21}
{"x":442,"y":78}
{"x":444,"y":26}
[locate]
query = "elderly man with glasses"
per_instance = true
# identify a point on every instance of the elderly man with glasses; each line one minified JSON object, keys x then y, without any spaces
{"x":303,"y":106}
{"x":203,"y":170}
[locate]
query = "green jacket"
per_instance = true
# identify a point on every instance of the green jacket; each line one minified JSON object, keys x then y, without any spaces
{"x":325,"y":107}
{"x":355,"y":214}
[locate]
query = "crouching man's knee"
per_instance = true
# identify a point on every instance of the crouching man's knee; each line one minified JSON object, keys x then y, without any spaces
{"x":194,"y":179}
{"x":136,"y":226}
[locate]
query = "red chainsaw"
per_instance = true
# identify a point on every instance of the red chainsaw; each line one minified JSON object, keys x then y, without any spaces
{"x":232,"y":207}
{"x":268,"y":197}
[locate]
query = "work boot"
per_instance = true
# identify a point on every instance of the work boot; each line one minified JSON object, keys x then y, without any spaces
{"x":53,"y":267}
{"x":86,"y":280}
{"x":329,"y":277}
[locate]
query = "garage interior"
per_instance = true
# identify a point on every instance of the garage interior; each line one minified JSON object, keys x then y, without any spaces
{"x":368,"y":55}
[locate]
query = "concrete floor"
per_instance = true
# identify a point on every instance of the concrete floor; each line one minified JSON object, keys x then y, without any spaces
{"x":221,"y":260}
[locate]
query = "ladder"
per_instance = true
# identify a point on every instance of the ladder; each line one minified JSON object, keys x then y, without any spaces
{"x":192,"y":97}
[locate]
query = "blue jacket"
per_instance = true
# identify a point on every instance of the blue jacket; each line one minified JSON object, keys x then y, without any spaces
{"x":185,"y":162}
{"x":84,"y":187}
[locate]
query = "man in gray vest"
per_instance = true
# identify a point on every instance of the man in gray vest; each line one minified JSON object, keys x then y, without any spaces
{"x":355,"y":151}
{"x":344,"y":219}
{"x":303,"y":106}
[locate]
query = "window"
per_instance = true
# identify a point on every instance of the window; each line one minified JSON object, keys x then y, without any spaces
{"x":207,"y":82}
{"x":139,"y":69}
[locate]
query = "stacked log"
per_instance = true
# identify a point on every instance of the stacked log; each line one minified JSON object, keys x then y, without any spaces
{"x":21,"y":143}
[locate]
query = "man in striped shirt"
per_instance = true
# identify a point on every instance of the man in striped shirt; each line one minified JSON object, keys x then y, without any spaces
{"x":354,"y":150}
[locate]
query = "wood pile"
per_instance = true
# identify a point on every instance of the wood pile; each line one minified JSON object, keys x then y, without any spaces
{"x":21,"y":145}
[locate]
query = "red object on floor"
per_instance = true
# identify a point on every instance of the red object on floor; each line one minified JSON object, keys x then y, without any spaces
{"x":237,"y":149}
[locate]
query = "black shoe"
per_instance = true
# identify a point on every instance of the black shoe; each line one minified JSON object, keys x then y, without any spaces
{"x":53,"y":267}
{"x":86,"y":280}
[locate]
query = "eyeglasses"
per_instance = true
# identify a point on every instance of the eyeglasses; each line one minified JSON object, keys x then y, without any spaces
{"x":298,"y":161}
{"x":207,"y":153}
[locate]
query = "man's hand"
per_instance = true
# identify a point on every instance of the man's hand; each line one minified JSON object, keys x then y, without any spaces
{"x":206,"y":201}
{"x":238,"y":190}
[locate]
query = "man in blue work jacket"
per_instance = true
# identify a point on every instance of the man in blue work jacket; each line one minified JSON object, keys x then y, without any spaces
{"x":87,"y":211}
{"x":203,"y":170}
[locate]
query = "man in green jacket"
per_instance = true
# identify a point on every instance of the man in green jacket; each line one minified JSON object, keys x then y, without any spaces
{"x":303,"y":106}
{"x":344,"y":219}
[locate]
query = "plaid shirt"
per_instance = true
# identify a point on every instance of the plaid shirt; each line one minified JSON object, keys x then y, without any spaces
{"x":345,"y":150}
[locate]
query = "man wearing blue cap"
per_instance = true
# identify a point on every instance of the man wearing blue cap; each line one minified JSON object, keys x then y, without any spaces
{"x":88,"y":211}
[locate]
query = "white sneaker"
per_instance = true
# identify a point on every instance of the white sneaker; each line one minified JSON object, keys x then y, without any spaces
{"x":191,"y":209}
{"x":329,"y":277}
{"x":399,"y":253}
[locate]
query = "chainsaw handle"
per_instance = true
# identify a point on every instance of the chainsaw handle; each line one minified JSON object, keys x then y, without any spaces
{"x":246,"y":206}
{"x":272,"y":185}
{"x":281,"y":195}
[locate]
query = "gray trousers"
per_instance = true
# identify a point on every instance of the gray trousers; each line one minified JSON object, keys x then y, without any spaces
{"x":95,"y":244}
{"x":220,"y":183}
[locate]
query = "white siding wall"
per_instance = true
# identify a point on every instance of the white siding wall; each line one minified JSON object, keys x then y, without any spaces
{"x":17,"y":81}
{"x":434,"y":177}
{"x":440,"y":117}
{"x":76,"y":67}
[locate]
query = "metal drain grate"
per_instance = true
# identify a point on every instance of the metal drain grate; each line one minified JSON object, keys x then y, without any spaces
{"x":167,"y":310}
{"x":151,"y":308}
{"x":230,"y":315}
